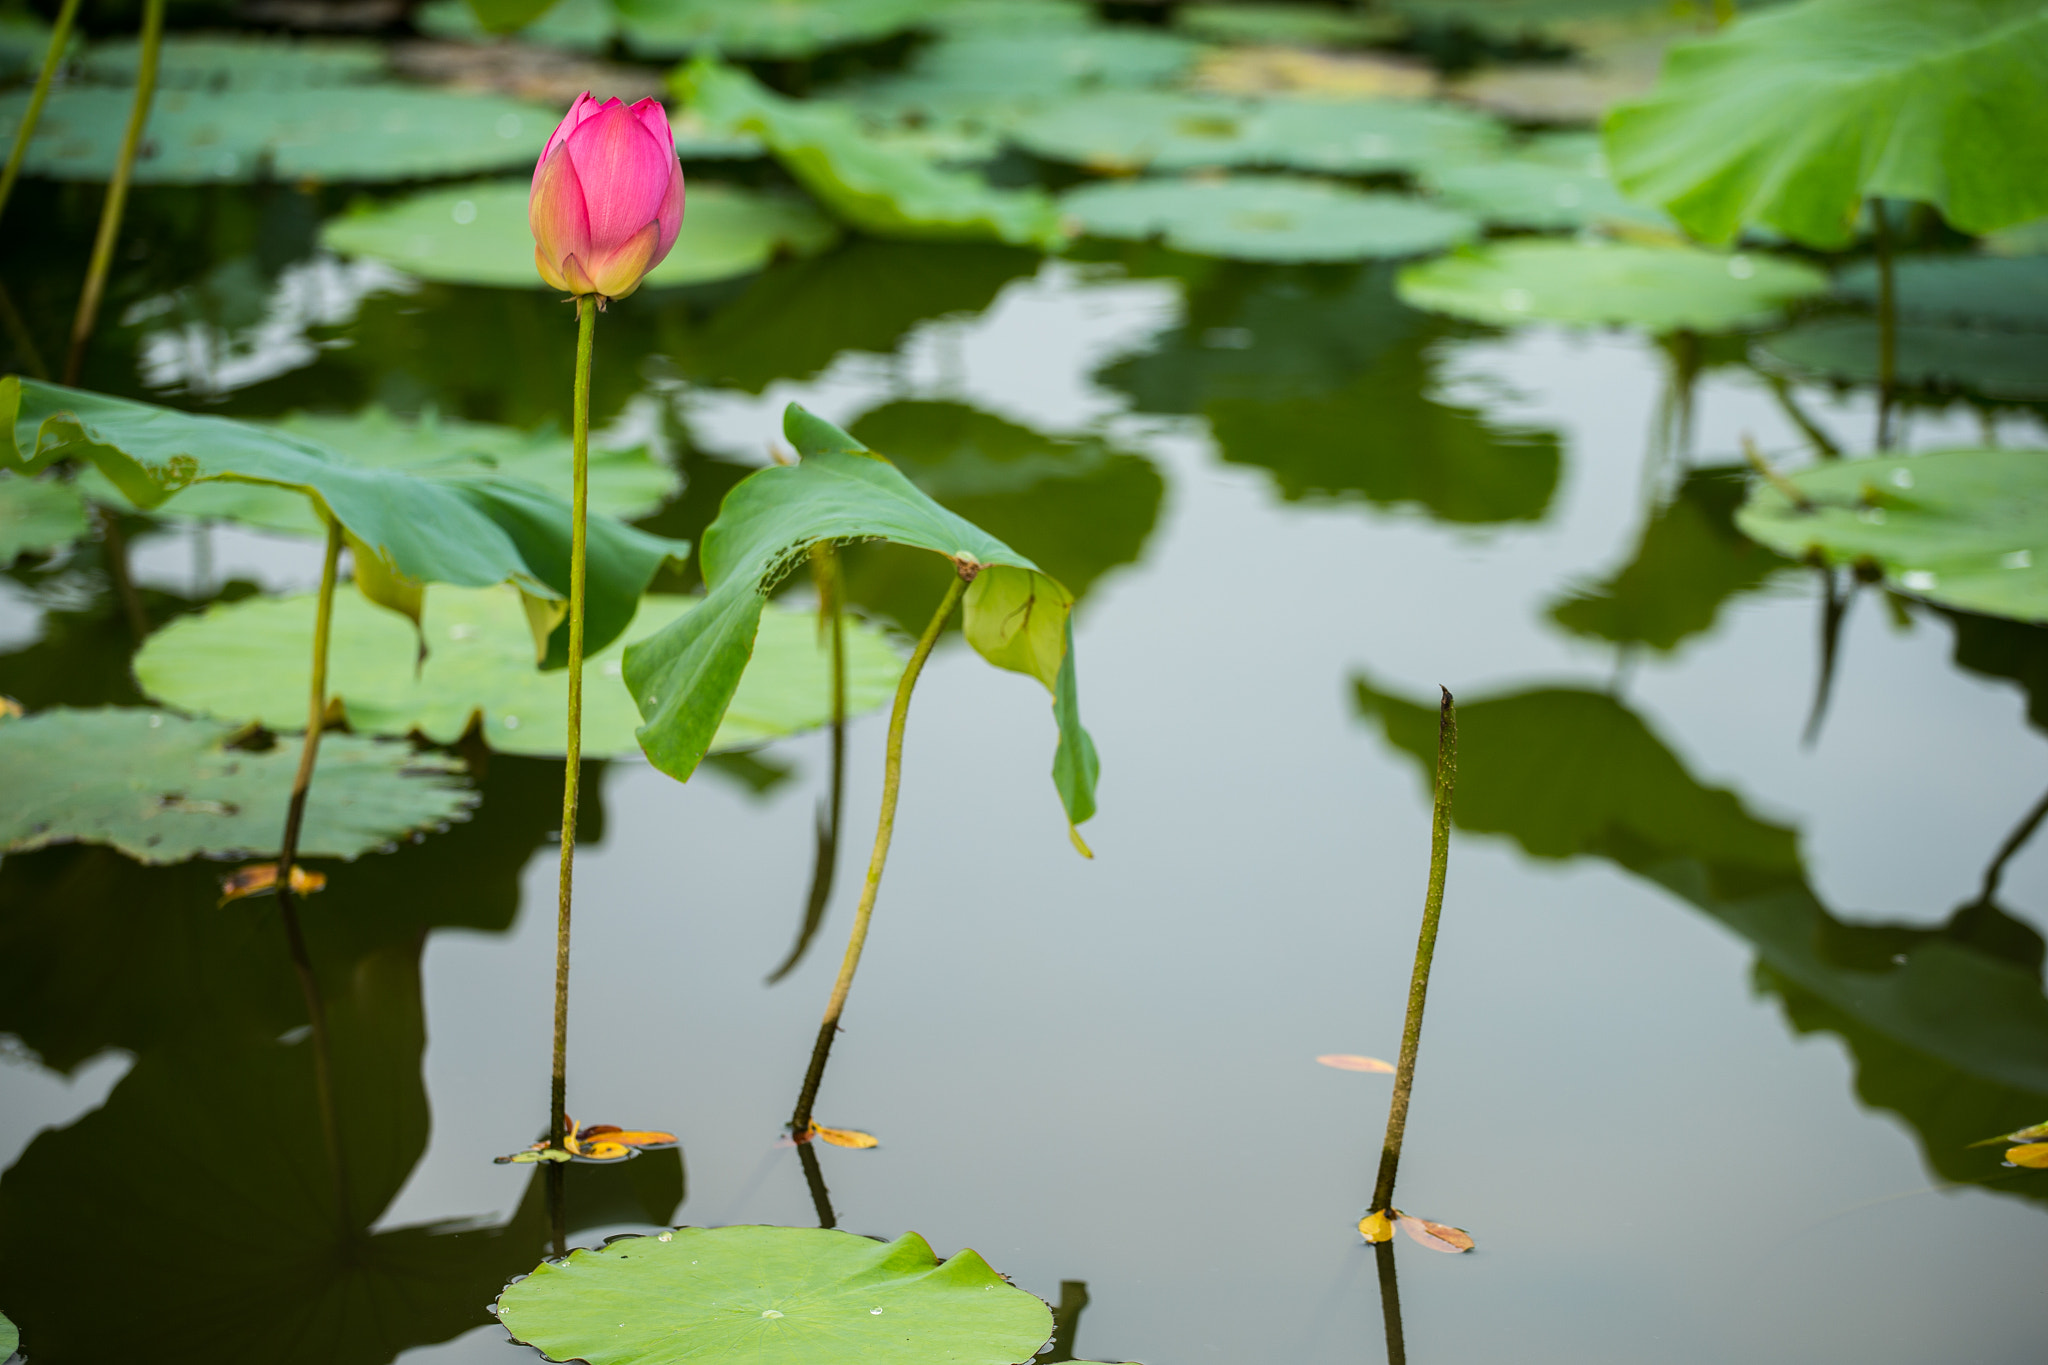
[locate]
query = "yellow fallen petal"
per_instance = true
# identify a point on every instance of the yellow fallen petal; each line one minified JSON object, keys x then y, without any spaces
{"x":1376,"y":1227}
{"x":2034,"y":1154}
{"x":844,"y":1137}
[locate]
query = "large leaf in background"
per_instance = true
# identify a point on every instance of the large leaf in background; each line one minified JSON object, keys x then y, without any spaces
{"x":1538,"y":193}
{"x":406,"y":529}
{"x":247,"y":661}
{"x":1992,"y":292}
{"x":1662,"y":288}
{"x":1794,"y":118}
{"x":1267,"y":218}
{"x":1129,"y":130}
{"x":163,"y":789}
{"x":37,"y":514}
{"x":570,"y":25}
{"x":767,"y":30}
{"x":237,"y":61}
{"x":478,"y":234}
{"x":1568,"y":773}
{"x":345,"y":133}
{"x":508,"y":16}
{"x":1690,"y":562}
{"x":754,"y":1295}
{"x":1933,"y":356}
{"x":10,"y":1339}
{"x":1296,"y":25}
{"x":1017,"y":617}
{"x":887,"y":191}
{"x":1962,"y":528}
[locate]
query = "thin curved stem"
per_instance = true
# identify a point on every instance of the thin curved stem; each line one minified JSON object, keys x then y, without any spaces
{"x":60,"y":37}
{"x":117,"y":190}
{"x":892,"y":784}
{"x":1425,"y":949}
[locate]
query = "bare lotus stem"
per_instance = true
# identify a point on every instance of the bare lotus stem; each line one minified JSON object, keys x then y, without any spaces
{"x":60,"y":37}
{"x":892,"y":783}
{"x":117,"y":190}
{"x":1425,"y":950}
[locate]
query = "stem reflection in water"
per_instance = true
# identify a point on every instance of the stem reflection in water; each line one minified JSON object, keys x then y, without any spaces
{"x":1390,"y":1303}
{"x":825,"y":571}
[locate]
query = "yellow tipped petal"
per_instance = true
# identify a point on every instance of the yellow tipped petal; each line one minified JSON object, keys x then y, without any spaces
{"x":1376,"y":1227}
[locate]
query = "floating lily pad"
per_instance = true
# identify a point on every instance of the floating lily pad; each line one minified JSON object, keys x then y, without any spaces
{"x":1157,"y":130}
{"x":344,"y":134}
{"x":1538,"y":193}
{"x":1990,"y":363}
{"x":991,"y":78}
{"x":478,"y":234}
{"x":163,"y":789}
{"x":1984,"y":291}
{"x":224,"y":61}
{"x":765,"y":1296}
{"x":761,"y":29}
{"x":37,"y":514}
{"x":577,"y":25}
{"x":1267,"y":218}
{"x":1304,"y":25}
{"x":1662,"y":288}
{"x":1962,"y":528}
{"x":246,"y":661}
{"x":10,"y":1339}
{"x":1012,"y":16}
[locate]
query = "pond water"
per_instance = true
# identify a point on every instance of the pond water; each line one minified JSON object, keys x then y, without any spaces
{"x":1654,"y":1083}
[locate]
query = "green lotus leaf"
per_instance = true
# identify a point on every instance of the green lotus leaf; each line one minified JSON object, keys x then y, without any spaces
{"x":1299,"y":25}
{"x":2026,"y":239}
{"x":162,"y":788}
{"x":1267,"y":218}
{"x":1794,"y":118}
{"x":1982,"y":291}
{"x":508,"y":16}
{"x":1131,"y":130}
{"x":1664,"y":289}
{"x":247,"y":660}
{"x":25,"y":37}
{"x":1962,"y":528}
{"x":10,"y":1339}
{"x":576,"y":25}
{"x":37,"y":515}
{"x":1520,"y":20}
{"x":340,"y":134}
{"x":887,"y":191}
{"x":753,"y":30}
{"x":478,"y":234}
{"x":406,"y":529}
{"x":1942,"y":357}
{"x":764,"y":1296}
{"x":1017,"y":616}
{"x":1012,"y":16}
{"x":233,"y":61}
{"x":1539,"y":192}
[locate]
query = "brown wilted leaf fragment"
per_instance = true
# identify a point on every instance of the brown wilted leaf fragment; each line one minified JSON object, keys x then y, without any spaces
{"x":258,"y":878}
{"x":1376,"y":1227}
{"x":1435,"y":1236}
{"x":2033,"y":1154}
{"x":844,"y":1137}
{"x":1345,"y":1061}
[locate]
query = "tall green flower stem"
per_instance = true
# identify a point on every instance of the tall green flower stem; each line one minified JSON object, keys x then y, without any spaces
{"x":1425,"y":950}
{"x":60,"y":38}
{"x":826,"y":574}
{"x":892,"y":784}
{"x":1887,"y":322}
{"x":117,"y":190}
{"x":287,"y":859}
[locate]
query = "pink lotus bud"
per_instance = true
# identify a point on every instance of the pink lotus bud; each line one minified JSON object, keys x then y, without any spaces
{"x":607,"y":197}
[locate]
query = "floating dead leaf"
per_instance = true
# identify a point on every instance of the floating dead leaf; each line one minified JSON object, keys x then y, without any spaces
{"x":1348,"y":1061}
{"x":1376,"y":1227}
{"x":844,"y":1137}
{"x":1435,"y":1236}
{"x":2035,"y":1133}
{"x":1298,"y":71}
{"x":258,"y":878}
{"x":2033,"y":1154}
{"x":595,"y":1142}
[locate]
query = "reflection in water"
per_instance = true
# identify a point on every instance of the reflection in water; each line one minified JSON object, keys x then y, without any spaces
{"x":1948,"y":1026}
{"x":814,"y":1180}
{"x":1390,"y":1302}
{"x":1066,"y":1322}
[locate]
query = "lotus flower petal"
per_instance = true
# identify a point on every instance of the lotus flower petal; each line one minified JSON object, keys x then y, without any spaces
{"x":618,"y":274}
{"x":607,"y":201}
{"x":624,"y":172}
{"x":557,"y":210}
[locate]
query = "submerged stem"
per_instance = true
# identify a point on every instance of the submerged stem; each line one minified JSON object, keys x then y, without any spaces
{"x":1887,"y":323}
{"x":117,"y":190}
{"x":60,"y":37}
{"x":1425,"y":949}
{"x":572,"y":768}
{"x":892,"y":782}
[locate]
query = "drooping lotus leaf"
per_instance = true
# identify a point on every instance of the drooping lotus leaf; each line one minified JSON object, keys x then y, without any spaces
{"x":1664,"y":289}
{"x":246,"y":660}
{"x":341,"y":134}
{"x":754,"y":30}
{"x":1690,"y":563}
{"x":478,"y":234}
{"x":1537,"y":192}
{"x":1794,"y":117}
{"x":1267,"y":218}
{"x":1302,"y":25}
{"x":1999,"y":293}
{"x":1129,"y":130}
{"x":765,"y":1295}
{"x":887,"y":191}
{"x":235,"y":61}
{"x":1017,"y":617}
{"x":163,"y":789}
{"x":37,"y":514}
{"x":1962,"y":528}
{"x":405,"y":529}
{"x":1943,"y":357}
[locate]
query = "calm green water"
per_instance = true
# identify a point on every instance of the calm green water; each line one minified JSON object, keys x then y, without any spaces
{"x":1662,"y":1080}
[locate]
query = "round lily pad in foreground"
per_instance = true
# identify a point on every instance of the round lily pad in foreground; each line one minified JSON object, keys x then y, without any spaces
{"x":1267,"y":218}
{"x":773,"y":1296}
{"x":478,"y":234}
{"x":1664,"y":289}
{"x":1933,"y":356}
